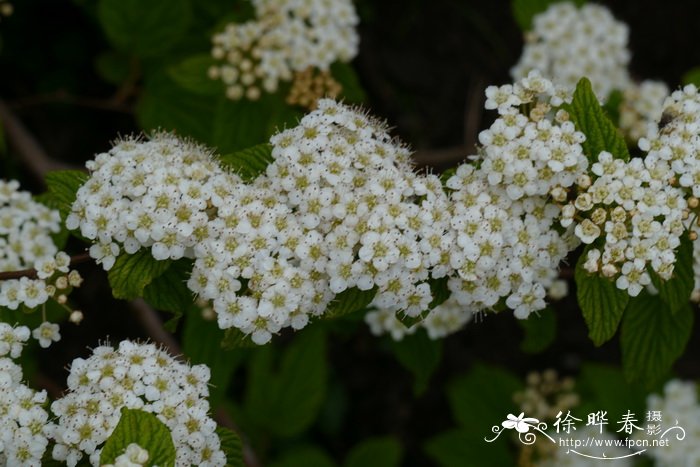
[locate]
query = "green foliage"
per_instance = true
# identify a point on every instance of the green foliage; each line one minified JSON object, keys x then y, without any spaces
{"x":234,"y":339}
{"x":692,"y":76}
{"x":525,"y":10}
{"x":375,"y":452}
{"x":285,"y":401}
{"x":62,"y":187}
{"x":653,"y":337}
{"x":676,"y":291}
{"x":350,"y":301}
{"x":540,"y":330}
{"x":420,"y":355}
{"x":590,"y":118}
{"x":249,"y":162}
{"x":191,"y":74}
{"x":602,"y":304}
{"x":241,"y":124}
{"x":201,"y":342}
{"x":603,"y":387}
{"x":132,"y":273}
{"x":232,"y":447}
{"x":612,"y":106}
{"x":113,"y":67}
{"x":304,"y":456}
{"x":352,"y":92}
{"x":145,"y":29}
{"x":493,"y":388}
{"x":453,"y":448}
{"x":144,"y":429}
{"x":168,"y":291}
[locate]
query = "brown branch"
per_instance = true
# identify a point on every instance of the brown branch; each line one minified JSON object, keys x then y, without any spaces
{"x":31,"y":273}
{"x":63,"y":97}
{"x":29,"y":150}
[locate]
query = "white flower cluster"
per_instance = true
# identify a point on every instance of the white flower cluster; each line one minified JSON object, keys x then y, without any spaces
{"x":641,"y":108}
{"x":24,"y":426}
{"x":286,"y":37}
{"x":134,"y":456}
{"x":637,"y":213}
{"x":135,"y":376}
{"x":25,"y":243}
{"x":155,"y":194}
{"x":568,"y":43}
{"x":6,"y":8}
{"x":443,"y":320}
{"x":678,"y":405}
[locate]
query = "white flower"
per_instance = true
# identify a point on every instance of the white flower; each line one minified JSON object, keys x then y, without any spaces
{"x":47,"y":333}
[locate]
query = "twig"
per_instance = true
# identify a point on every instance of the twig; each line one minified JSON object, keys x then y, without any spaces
{"x":31,"y":273}
{"x":31,"y":153}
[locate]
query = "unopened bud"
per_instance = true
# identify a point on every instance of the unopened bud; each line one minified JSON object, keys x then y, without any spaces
{"x":76,"y":317}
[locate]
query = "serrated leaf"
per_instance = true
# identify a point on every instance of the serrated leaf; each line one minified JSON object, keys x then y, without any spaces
{"x":168,"y":291}
{"x":62,"y":187}
{"x":350,"y":301}
{"x":201,"y":342}
{"x":192,"y":74}
{"x":235,"y":339}
{"x":590,"y":119}
{"x":602,"y":304}
{"x":540,"y":329}
{"x":420,"y":355}
{"x":232,"y":447}
{"x":653,"y":337}
{"x":457,"y":448}
{"x":525,"y":10}
{"x":241,"y":124}
{"x":352,"y":91}
{"x":285,"y":402}
{"x":143,"y":28}
{"x":167,"y":106}
{"x":249,"y":162}
{"x":144,"y":429}
{"x":612,"y":106}
{"x":375,"y":452}
{"x":304,"y":456}
{"x":132,"y":273}
{"x":676,"y":291}
{"x":493,"y":388}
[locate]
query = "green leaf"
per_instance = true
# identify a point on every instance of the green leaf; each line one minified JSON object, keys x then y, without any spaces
{"x":605,"y":388}
{"x":590,"y":119}
{"x":62,"y":188}
{"x":241,"y":124}
{"x":113,"y":67}
{"x":145,"y":29}
{"x":286,"y":402}
{"x":653,"y":337}
{"x":168,"y":291}
{"x":457,"y":448}
{"x":612,"y":106}
{"x":375,"y":452}
{"x":525,"y":10}
{"x":352,"y":91}
{"x":144,"y":429}
{"x":676,"y":291}
{"x":420,"y":355}
{"x":692,"y":76}
{"x":540,"y":330}
{"x":201,"y":342}
{"x":192,"y":75}
{"x":602,"y":304}
{"x":349,"y":301}
{"x":249,"y":162}
{"x":132,"y":273}
{"x":232,"y":447}
{"x":483,"y":398}
{"x":166,"y":105}
{"x":235,"y":339}
{"x":304,"y":456}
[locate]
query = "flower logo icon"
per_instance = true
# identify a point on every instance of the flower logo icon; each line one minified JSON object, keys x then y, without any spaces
{"x":520,"y":423}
